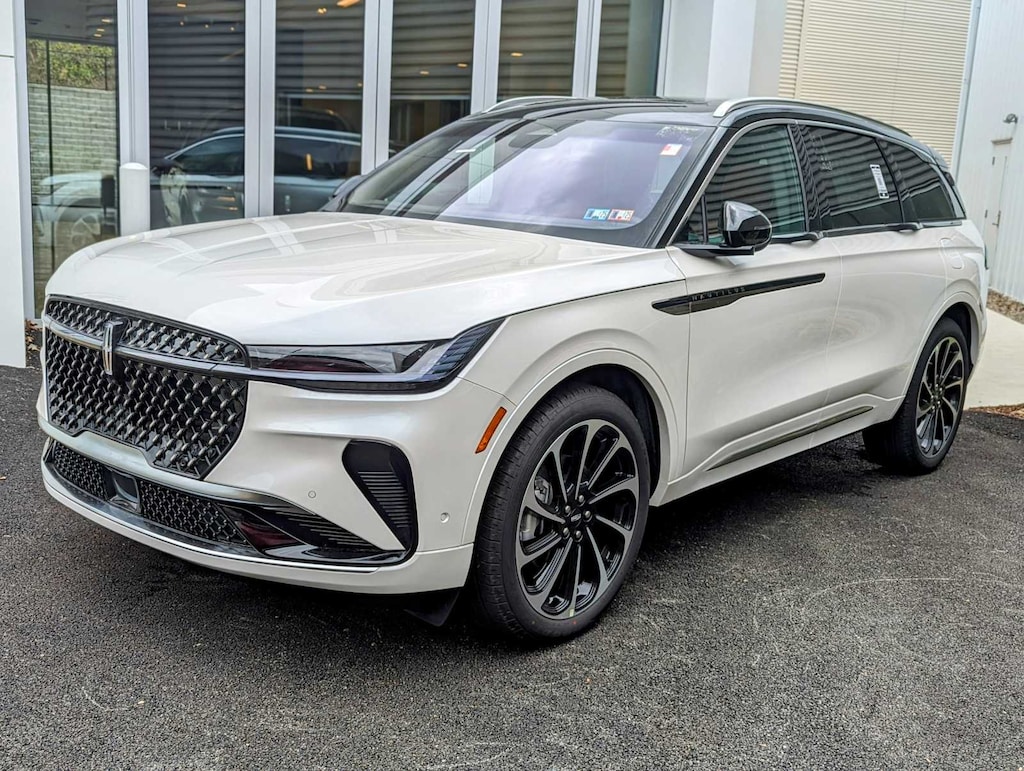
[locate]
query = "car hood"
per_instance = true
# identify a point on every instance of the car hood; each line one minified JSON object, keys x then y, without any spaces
{"x":328,"y":278}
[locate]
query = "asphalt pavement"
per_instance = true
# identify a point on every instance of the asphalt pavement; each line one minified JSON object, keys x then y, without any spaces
{"x":814,"y":614}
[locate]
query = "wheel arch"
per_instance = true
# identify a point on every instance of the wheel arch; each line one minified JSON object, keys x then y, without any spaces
{"x":620,"y":372}
{"x":961,"y":312}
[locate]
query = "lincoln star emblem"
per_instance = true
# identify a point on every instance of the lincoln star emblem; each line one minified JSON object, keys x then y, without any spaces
{"x":112,"y":332}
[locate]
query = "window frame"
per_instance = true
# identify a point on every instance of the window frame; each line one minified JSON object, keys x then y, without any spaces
{"x":910,"y":213}
{"x":694,"y":196}
{"x":815,"y":180}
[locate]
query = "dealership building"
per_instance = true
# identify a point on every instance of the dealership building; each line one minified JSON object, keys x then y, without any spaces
{"x":119,"y":116}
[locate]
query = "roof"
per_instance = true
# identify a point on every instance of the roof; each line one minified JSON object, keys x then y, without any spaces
{"x":704,"y":112}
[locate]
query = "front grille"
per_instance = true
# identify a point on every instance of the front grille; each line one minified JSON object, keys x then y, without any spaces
{"x":305,"y":535}
{"x":149,"y":335}
{"x":182,"y":421}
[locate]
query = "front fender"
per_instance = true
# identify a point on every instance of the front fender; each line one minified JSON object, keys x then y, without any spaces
{"x":556,"y":357}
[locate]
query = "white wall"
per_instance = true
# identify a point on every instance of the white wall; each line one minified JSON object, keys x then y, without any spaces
{"x":724,"y":48}
{"x":996,"y":90}
{"x":12,"y":274}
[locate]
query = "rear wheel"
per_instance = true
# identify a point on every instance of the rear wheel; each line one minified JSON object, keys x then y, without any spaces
{"x":919,"y":436}
{"x":564,"y":517}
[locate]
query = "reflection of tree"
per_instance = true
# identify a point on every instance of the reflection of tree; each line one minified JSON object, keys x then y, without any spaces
{"x":79,"y":65}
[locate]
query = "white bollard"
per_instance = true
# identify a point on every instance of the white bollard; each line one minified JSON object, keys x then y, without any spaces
{"x":134,"y":198}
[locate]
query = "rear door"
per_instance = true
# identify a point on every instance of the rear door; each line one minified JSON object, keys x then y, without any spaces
{"x":759,"y":324}
{"x":893,"y":271}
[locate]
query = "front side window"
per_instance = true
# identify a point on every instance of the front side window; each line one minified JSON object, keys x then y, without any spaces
{"x":922,"y":190}
{"x":597,"y":180}
{"x":855,"y":187}
{"x":759,"y":170}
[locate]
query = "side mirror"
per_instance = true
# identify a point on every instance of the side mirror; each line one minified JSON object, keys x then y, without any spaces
{"x":744,"y":227}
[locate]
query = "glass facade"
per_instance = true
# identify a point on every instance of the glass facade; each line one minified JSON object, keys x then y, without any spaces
{"x":211,"y":86}
{"x":319,"y":101}
{"x":431,"y":66}
{"x":73,"y":133}
{"x":630,"y":42}
{"x":538,"y":44}
{"x":196,"y":110}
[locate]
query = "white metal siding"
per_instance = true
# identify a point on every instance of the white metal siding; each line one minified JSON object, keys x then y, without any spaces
{"x":997,"y":89}
{"x":791,"y":48}
{"x":899,"y":61}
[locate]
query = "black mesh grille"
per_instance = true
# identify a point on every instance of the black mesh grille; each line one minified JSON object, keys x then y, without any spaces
{"x":147,"y":334}
{"x":210,"y":519}
{"x":176,"y":510}
{"x":190,"y":514}
{"x":78,"y":471}
{"x":183,"y":422}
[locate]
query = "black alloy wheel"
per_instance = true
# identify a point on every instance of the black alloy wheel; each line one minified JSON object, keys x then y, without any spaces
{"x":564,"y":517}
{"x":917,"y":439}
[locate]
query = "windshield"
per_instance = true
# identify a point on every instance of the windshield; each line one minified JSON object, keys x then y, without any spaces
{"x":596,"y":180}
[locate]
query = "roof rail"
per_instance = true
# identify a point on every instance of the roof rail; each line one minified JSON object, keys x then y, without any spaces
{"x":525,"y":100}
{"x":729,"y":105}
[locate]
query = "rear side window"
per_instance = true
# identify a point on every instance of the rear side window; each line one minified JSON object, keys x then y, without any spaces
{"x":854,"y":186}
{"x":922,"y":191}
{"x":759,"y":170}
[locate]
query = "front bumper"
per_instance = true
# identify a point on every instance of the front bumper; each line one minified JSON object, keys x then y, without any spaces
{"x":423,"y":571}
{"x":291,"y":450}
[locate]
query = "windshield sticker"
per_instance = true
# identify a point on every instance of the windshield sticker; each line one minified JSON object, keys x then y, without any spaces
{"x":671,"y":149}
{"x":883,"y":191}
{"x":620,"y":215}
{"x":597,"y":214}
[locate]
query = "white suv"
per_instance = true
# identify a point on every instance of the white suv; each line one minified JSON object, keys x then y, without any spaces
{"x":508,"y":342}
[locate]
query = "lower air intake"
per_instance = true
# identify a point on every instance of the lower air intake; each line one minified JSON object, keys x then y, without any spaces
{"x":382,"y":473}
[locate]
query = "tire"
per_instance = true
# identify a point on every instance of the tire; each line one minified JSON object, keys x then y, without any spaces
{"x":917,"y":439}
{"x":545,"y":568}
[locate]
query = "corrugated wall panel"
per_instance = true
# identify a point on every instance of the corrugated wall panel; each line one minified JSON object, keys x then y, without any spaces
{"x":900,"y":61}
{"x":997,"y":89}
{"x":791,"y":48}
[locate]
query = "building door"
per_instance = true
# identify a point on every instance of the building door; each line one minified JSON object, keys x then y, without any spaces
{"x":994,"y":197}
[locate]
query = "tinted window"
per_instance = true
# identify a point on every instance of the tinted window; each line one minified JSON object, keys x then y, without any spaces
{"x":301,"y":157}
{"x":215,"y":156}
{"x":759,"y":170}
{"x":855,"y":188}
{"x":922,"y":190}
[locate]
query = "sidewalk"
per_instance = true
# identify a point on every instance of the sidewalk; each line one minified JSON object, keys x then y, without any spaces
{"x":999,"y":379}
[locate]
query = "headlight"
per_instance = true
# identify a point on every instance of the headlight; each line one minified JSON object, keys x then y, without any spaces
{"x":399,"y":367}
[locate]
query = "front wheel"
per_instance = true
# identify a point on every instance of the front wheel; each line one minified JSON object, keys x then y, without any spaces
{"x":564,"y":517}
{"x":919,"y":436}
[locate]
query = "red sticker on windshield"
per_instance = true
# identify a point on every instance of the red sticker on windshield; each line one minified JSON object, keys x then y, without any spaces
{"x":620,"y":215}
{"x":671,"y":149}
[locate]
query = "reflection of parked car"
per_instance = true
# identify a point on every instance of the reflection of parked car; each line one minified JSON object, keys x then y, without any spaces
{"x":205,"y":181}
{"x":199,"y":183}
{"x":73,"y":210}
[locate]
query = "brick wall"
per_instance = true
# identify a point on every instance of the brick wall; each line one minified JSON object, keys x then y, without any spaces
{"x":84,"y":123}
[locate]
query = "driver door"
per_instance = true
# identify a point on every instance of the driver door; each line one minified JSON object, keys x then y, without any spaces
{"x":759,"y":323}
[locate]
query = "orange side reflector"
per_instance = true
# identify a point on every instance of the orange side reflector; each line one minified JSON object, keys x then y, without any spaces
{"x":491,"y":428}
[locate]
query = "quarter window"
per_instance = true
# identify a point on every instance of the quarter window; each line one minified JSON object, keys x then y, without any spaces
{"x":922,"y":190}
{"x":759,"y":170}
{"x":854,"y":186}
